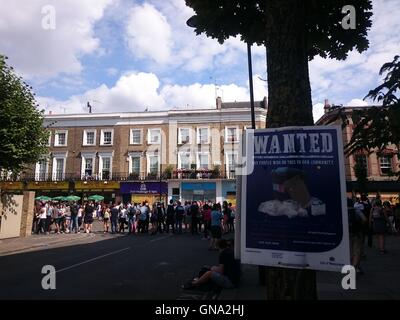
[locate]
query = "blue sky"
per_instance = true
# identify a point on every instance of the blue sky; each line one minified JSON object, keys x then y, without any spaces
{"x":126,"y":55}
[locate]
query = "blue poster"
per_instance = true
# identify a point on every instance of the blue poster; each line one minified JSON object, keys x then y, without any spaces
{"x":293,"y":200}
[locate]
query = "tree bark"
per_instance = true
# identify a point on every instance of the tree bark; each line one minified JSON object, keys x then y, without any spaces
{"x":289,"y":90}
{"x":289,"y":104}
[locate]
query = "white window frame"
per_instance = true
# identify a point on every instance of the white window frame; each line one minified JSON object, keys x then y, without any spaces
{"x":149,"y":135}
{"x":85,"y":156}
{"x":155,"y":154}
{"x":180,"y":159}
{"x":85,"y":132}
{"x":37,"y":171}
{"x":132,"y":155}
{"x":131,"y":136}
{"x":198,"y":135}
{"x":228,"y":154}
{"x":237,"y":134}
{"x":56,"y":156}
{"x":388,"y":167}
{"x":102,"y":137}
{"x":198,"y":159}
{"x":57,"y":132}
{"x":180,"y":141}
{"x":103,"y":155}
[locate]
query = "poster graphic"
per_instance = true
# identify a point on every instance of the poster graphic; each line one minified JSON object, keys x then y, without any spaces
{"x":293,"y":203}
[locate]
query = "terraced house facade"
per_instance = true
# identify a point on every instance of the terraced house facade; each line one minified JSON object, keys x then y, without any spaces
{"x":185,"y":154}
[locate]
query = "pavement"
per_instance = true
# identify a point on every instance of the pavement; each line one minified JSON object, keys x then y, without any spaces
{"x":105,"y":266}
{"x":380,"y":281}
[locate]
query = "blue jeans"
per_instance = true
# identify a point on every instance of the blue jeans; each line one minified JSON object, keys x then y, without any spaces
{"x":114,"y":225}
{"x":179,"y":225}
{"x":74,"y":223}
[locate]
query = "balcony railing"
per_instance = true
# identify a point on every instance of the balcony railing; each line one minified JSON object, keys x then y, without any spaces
{"x":121,"y":176}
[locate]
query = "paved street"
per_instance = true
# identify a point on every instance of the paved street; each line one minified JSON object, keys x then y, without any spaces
{"x":119,"y":267}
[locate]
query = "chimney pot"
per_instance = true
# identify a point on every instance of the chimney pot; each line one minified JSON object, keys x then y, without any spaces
{"x":219,"y":103}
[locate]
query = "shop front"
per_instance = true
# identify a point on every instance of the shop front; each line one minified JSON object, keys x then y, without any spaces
{"x":51,"y":188}
{"x":198,"y":191}
{"x":229,"y":192}
{"x":108,"y":189}
{"x":137,"y":192}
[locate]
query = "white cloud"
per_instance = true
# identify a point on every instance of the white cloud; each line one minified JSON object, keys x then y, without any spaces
{"x":41,"y":53}
{"x":149,"y":34}
{"x":137,"y":91}
{"x":318,"y":111}
{"x":357,"y":103}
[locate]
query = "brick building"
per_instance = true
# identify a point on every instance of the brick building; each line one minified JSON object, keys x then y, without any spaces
{"x":377,"y":165}
{"x":185,"y":154}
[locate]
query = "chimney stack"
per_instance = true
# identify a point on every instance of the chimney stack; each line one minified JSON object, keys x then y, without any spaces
{"x":219,"y":103}
{"x":50,"y":112}
{"x":327,"y":106}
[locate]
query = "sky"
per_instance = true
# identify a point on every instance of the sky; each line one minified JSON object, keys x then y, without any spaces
{"x":129,"y":55}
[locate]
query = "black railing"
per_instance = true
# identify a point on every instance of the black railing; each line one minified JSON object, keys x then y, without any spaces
{"x":120,"y":176}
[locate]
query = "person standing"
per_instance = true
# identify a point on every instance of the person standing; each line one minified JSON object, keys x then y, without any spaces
{"x":131,"y":219}
{"x":161,"y":217}
{"x":170,"y":216}
{"x":144,"y":212}
{"x":80,"y":216}
{"x":216,"y":227}
{"x":356,"y":228}
{"x":114,"y":218}
{"x":378,"y":221}
{"x":74,"y":218}
{"x":106,"y":219}
{"x":42,"y":220}
{"x":188,"y":216}
{"x":179,"y":215}
{"x":122,"y":218}
{"x":88,"y":218}
{"x":49,"y":220}
{"x":194,"y":212}
{"x":207,"y":220}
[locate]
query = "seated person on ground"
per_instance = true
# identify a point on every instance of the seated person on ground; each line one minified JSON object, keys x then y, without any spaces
{"x":226,"y":274}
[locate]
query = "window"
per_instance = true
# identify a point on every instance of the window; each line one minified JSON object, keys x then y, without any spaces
{"x":203,"y":136}
{"x":385,"y":164}
{"x":184,"y":135}
{"x":362,"y":160}
{"x":184,"y":160}
{"x":136,"y":136}
{"x":107,"y":137}
{"x":88,"y":161}
{"x":202,"y":160}
{"x":231,"y":134}
{"x":106,"y":168}
{"x":58,"y":169}
{"x":154,"y":136}
{"x":231,"y":161}
{"x":153,"y":164}
{"x":105,"y":165}
{"x":89,"y":137}
{"x":41,"y":170}
{"x":61,"y":138}
{"x":134,"y":163}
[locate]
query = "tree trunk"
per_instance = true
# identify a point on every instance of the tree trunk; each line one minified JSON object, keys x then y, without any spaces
{"x":289,"y":90}
{"x":289,"y":104}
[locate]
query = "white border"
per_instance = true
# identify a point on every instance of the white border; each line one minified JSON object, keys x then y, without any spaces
{"x":261,"y":256}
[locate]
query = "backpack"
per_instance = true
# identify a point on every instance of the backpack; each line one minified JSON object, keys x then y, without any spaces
{"x":355,"y":221}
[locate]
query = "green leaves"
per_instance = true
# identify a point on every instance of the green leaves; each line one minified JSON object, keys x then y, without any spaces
{"x":255,"y":21}
{"x":23,"y":140}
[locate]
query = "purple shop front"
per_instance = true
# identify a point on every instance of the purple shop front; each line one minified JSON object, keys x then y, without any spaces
{"x":144,"y":188}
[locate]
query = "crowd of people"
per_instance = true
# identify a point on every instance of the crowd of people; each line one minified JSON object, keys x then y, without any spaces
{"x":368,"y":218}
{"x":196,"y":217}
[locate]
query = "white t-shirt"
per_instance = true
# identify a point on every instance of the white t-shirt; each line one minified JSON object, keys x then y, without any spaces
{"x":43,"y":213}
